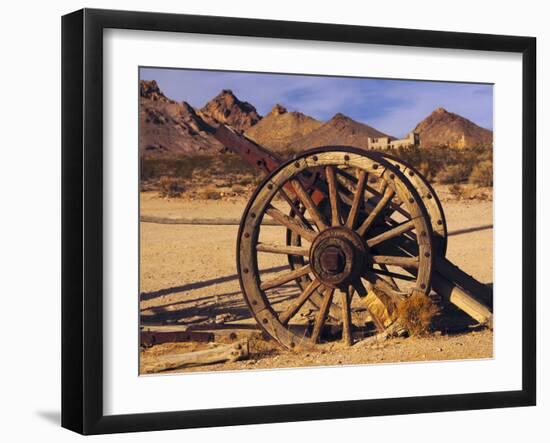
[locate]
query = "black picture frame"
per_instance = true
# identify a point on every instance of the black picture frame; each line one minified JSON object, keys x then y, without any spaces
{"x":82,"y":219}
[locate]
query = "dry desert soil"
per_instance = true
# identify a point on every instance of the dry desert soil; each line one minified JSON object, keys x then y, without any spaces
{"x":188,"y":280}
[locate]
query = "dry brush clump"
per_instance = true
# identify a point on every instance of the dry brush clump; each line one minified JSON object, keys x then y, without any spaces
{"x":482,"y":174}
{"x":448,"y":165}
{"x":171,"y":187}
{"x":153,"y":168}
{"x":209,"y":193}
{"x":415,"y":314}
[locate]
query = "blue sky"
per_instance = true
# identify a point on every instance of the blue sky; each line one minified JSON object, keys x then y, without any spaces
{"x":392,"y":106}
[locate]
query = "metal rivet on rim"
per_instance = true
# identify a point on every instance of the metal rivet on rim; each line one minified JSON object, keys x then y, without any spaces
{"x":292,"y":344}
{"x":246,"y":235}
{"x":429,"y":196}
{"x":269,"y":186}
{"x":264,"y":321}
{"x":346,"y":157}
{"x":254,"y":302}
{"x":427,"y":254}
{"x":245,"y":270}
{"x":375,"y":166}
{"x":314,"y":158}
{"x":297,"y":164}
{"x":411,"y":173}
{"x":439,"y":222}
{"x":392,"y":176}
{"x":423,"y":286}
{"x":252,"y":215}
{"x":411,"y":200}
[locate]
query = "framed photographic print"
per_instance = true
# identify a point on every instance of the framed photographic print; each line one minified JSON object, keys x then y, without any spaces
{"x":271,"y":221}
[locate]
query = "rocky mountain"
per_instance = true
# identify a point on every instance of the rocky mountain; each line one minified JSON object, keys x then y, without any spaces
{"x":170,"y":128}
{"x":339,"y":130}
{"x":227,"y":108}
{"x":278,"y":129}
{"x":442,"y":127}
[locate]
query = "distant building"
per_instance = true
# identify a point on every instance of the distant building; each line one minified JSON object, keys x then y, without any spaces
{"x":383,"y":143}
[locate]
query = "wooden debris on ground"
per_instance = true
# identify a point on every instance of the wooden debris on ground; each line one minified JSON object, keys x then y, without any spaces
{"x":217,"y":354}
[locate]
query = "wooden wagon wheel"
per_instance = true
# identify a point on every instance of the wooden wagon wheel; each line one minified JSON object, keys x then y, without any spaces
{"x":344,"y":252}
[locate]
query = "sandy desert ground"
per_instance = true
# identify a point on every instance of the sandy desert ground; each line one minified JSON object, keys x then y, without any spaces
{"x":188,"y":277}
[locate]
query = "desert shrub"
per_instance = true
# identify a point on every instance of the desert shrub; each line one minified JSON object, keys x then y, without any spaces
{"x":482,"y":173}
{"x":456,"y":190}
{"x":209,"y":194}
{"x":237,"y":189}
{"x":153,"y":168}
{"x":244,"y":181}
{"x":415,"y":313}
{"x":450,"y":164}
{"x":233,"y":164}
{"x":456,"y":173}
{"x":170,"y":187}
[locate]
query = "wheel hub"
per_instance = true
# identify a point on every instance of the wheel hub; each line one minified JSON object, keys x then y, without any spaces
{"x":337,"y":256}
{"x":333,"y":260}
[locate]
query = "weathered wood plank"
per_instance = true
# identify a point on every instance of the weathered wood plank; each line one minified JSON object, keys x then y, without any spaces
{"x":462,"y":299}
{"x":218,"y":354}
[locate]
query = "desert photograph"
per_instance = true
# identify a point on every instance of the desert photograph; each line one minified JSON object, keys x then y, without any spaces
{"x":294,"y":220}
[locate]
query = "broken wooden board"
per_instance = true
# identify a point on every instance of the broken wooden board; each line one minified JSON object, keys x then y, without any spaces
{"x":217,"y":354}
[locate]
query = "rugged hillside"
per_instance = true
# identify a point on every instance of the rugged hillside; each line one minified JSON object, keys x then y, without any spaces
{"x":227,"y":108}
{"x":446,"y":128}
{"x":339,"y":130}
{"x":169,"y":128}
{"x":278,"y":129}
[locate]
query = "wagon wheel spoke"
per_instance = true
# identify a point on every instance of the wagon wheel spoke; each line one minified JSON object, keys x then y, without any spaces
{"x":394,"y":260}
{"x":391,"y":233}
{"x":345,"y":295}
{"x":393,"y":205}
{"x":290,"y":223}
{"x":298,"y":302}
{"x":394,"y":275}
{"x":333,"y":196}
{"x":321,"y":316}
{"x":295,"y":209}
{"x":388,"y":195}
{"x":375,"y":192}
{"x":285,"y":278}
{"x":282,"y":249}
{"x":357,"y":199}
{"x":312,"y":209}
